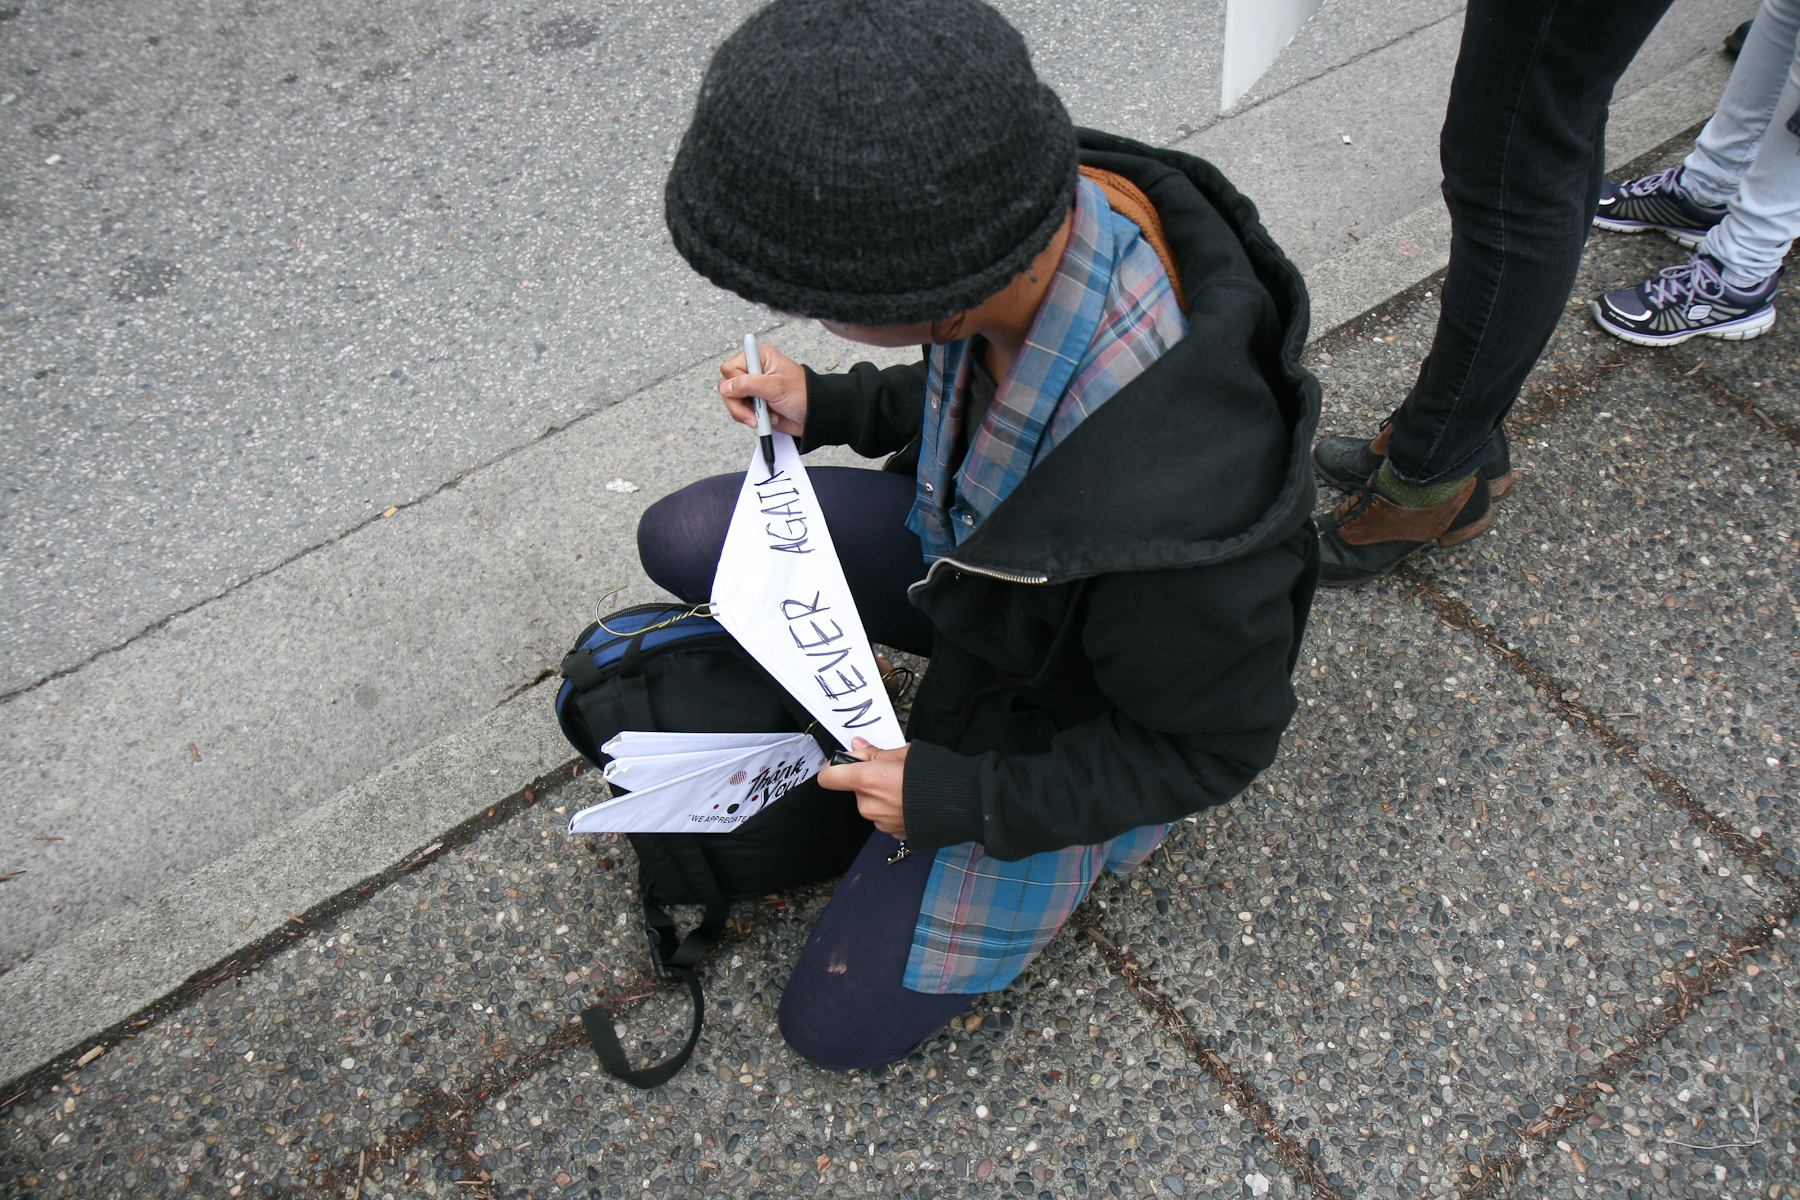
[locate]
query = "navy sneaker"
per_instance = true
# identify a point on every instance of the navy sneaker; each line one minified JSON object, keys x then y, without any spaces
{"x":1687,"y":301}
{"x":1656,"y":202}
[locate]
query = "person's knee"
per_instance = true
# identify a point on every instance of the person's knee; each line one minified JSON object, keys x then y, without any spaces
{"x":823,"y":1037}
{"x":657,"y":542}
{"x":679,"y":536}
{"x":846,"y":1029}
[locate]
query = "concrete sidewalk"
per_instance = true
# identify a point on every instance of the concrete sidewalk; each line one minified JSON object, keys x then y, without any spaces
{"x":1511,"y":916}
{"x":332,"y":323}
{"x":556,"y":549}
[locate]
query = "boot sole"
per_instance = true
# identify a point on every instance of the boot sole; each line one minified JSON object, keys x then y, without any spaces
{"x":1473,"y":529}
{"x":1686,"y":238}
{"x":1741,"y":330}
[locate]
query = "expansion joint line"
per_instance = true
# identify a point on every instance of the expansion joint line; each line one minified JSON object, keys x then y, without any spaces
{"x":1671,"y":363}
{"x":1495,"y":1175}
{"x":253,"y":954}
{"x":445,"y":1117}
{"x":1230,"y":1082}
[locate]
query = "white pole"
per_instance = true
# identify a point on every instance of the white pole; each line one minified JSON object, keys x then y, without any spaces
{"x":1255,"y":32}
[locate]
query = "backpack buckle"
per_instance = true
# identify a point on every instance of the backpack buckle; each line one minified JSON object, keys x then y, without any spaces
{"x":663,"y":945}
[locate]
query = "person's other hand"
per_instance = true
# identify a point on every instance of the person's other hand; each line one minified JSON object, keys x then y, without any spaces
{"x":782,"y":384}
{"x":879,"y":783}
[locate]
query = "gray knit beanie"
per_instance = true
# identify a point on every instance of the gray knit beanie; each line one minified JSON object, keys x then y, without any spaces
{"x":876,"y":162}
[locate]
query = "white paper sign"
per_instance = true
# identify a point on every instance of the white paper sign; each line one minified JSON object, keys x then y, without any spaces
{"x":712,"y":801}
{"x":655,"y":770}
{"x":781,"y":593}
{"x":635,"y":743}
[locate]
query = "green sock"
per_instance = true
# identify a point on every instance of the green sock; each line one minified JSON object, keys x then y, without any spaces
{"x":1415,"y":495}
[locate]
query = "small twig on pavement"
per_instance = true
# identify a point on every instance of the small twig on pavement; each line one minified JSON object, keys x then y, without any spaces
{"x":12,"y":875}
{"x":1755,"y":1125}
{"x":422,"y":855}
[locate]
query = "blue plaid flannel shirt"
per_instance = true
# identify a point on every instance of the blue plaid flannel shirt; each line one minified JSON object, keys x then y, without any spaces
{"x":1109,"y":314}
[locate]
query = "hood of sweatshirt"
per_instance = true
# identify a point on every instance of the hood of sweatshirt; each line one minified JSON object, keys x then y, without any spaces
{"x":1206,"y":456}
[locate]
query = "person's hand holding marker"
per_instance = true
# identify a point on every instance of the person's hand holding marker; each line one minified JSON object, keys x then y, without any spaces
{"x":782,"y":383}
{"x":878,"y":778}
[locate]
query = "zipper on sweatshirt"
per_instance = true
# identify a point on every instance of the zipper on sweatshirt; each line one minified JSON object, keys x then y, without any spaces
{"x":991,"y":573}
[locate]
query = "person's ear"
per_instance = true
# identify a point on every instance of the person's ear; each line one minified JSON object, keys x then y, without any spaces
{"x":949,"y":329}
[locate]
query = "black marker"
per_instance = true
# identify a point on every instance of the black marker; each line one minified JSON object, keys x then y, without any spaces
{"x":764,"y":432}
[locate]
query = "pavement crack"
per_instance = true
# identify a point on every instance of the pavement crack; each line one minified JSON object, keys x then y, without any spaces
{"x":1230,"y":1082}
{"x":444,"y":1116}
{"x":1456,"y":614}
{"x":542,"y":675}
{"x":1496,"y":1174}
{"x":549,"y":431}
{"x":1551,"y":394}
{"x":255,"y":952}
{"x":1706,"y":385}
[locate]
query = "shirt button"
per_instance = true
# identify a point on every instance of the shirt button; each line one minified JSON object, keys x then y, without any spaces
{"x":928,"y":489}
{"x":968,"y":518}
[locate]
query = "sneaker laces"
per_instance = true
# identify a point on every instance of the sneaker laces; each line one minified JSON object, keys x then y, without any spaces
{"x":1698,"y":276}
{"x":1650,"y":185}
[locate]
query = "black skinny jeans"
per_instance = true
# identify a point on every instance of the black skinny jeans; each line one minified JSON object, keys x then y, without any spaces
{"x":1522,"y":151}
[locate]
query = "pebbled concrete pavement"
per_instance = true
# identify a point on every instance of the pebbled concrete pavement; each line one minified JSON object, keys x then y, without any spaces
{"x":293,"y":269}
{"x":1512,"y":915}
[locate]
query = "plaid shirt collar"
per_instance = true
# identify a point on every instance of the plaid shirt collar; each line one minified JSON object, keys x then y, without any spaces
{"x":1108,"y":314}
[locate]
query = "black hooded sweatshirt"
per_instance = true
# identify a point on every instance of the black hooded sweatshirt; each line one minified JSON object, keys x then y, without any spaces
{"x":1114,"y":643}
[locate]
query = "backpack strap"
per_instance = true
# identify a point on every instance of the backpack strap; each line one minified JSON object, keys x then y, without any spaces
{"x":676,"y":959}
{"x":1128,"y":200}
{"x":623,"y":706}
{"x":598,"y":1024}
{"x":634,"y":692}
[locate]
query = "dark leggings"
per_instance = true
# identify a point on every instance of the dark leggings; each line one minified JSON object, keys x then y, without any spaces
{"x":680,"y":536}
{"x":844,"y":1006}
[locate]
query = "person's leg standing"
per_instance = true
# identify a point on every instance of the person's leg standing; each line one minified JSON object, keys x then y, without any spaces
{"x":1687,"y":201}
{"x":1522,"y":157}
{"x":1748,"y":160}
{"x":1761,"y":221}
{"x":1753,"y":100}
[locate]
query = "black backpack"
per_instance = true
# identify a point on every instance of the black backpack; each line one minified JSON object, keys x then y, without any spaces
{"x":666,"y":668}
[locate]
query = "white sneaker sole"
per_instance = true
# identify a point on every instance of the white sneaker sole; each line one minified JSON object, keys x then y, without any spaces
{"x":1740,"y":330}
{"x":1680,"y":237}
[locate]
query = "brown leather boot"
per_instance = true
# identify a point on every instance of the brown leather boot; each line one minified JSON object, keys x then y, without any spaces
{"x":1345,"y":462}
{"x":1370,"y":535}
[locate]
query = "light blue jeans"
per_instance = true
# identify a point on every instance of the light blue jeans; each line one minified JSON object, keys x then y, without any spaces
{"x":1747,"y":159}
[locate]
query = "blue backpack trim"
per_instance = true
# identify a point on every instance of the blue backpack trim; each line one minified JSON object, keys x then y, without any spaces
{"x":602,"y":645}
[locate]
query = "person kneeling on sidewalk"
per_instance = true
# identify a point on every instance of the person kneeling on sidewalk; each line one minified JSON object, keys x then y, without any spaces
{"x":1734,"y":201}
{"x":1096,"y":518}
